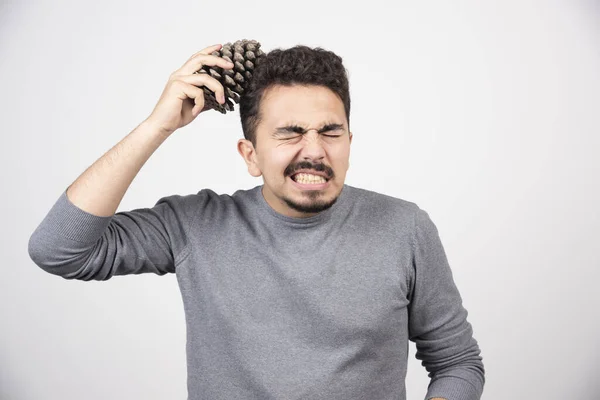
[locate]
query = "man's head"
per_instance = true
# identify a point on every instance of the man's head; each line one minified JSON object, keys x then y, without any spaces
{"x":295,"y":115}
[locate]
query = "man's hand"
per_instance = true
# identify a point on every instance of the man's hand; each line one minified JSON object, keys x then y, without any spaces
{"x":183,"y":98}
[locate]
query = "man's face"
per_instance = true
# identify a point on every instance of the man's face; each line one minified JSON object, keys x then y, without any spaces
{"x":302,"y":128}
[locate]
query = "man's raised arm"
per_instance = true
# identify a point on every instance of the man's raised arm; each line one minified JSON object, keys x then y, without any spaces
{"x":82,"y":238}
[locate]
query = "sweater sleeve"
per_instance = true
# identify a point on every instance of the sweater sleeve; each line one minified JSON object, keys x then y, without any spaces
{"x":438,"y":321}
{"x":74,"y":244}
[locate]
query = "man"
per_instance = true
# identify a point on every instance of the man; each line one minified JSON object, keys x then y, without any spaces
{"x":301,"y":288}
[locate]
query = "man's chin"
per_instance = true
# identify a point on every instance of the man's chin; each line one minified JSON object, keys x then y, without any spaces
{"x":309,"y":201}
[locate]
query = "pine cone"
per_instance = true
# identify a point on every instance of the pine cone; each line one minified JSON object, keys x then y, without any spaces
{"x":246,"y":55}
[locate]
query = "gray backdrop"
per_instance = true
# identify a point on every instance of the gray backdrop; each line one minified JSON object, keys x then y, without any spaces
{"x":483,"y":113}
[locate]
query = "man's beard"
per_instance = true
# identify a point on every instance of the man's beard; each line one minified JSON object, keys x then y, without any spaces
{"x":314,"y":205}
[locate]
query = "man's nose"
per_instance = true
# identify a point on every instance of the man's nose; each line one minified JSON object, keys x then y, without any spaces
{"x":312,"y":136}
{"x":312,"y":146}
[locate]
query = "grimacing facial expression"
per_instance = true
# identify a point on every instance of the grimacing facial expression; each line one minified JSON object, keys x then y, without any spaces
{"x":301,"y":128}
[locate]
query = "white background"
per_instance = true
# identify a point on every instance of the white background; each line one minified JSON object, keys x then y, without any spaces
{"x":483,"y":113}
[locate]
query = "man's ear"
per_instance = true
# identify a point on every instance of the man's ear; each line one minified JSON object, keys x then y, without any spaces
{"x":246,"y":150}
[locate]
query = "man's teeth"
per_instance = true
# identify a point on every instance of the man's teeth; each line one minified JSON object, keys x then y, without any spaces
{"x":309,"y":178}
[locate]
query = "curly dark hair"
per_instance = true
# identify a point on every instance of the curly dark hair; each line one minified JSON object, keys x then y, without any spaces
{"x":299,"y":65}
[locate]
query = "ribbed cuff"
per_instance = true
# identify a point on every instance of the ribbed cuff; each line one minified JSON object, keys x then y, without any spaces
{"x":70,"y":221}
{"x":453,"y":388}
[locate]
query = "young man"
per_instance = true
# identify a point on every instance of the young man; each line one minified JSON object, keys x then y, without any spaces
{"x":301,"y":288}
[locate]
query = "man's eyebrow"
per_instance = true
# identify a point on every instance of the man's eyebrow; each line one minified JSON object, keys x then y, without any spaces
{"x":294,"y":128}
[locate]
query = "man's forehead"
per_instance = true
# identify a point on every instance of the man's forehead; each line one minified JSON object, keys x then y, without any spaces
{"x":311,"y":112}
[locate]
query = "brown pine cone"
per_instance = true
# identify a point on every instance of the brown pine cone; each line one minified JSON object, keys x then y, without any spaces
{"x":245,"y":55}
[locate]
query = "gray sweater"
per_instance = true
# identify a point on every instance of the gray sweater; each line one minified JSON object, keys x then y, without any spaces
{"x":279,"y":307}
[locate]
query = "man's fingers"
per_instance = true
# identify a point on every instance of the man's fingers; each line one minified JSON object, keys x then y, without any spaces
{"x":206,"y":80}
{"x":207,"y":50}
{"x":199,"y":60}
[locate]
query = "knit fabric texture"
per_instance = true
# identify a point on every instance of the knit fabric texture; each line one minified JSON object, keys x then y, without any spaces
{"x":279,"y":307}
